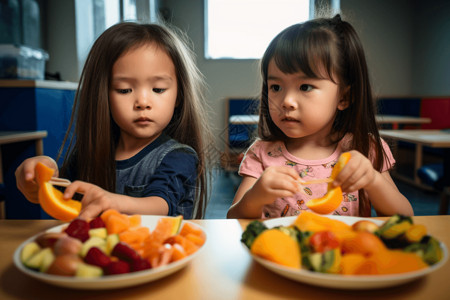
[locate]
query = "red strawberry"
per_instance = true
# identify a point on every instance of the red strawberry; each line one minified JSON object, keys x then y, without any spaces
{"x":139,"y":265}
{"x":124,"y":252}
{"x":97,"y":257}
{"x":79,"y":229}
{"x":117,"y":267}
{"x":96,"y":223}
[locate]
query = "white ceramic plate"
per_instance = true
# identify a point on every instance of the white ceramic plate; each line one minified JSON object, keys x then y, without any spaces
{"x":111,"y":281}
{"x":343,"y":281}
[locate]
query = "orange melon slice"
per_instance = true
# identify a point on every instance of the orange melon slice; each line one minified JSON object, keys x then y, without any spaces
{"x":165,"y":228}
{"x":43,"y":173}
{"x":333,"y":198}
{"x":51,"y":200}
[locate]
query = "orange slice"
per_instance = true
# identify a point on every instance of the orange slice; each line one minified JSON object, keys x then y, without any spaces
{"x":333,"y":198}
{"x":51,"y":199}
{"x":43,"y":173}
{"x":52,"y":202}
{"x":328,"y":203}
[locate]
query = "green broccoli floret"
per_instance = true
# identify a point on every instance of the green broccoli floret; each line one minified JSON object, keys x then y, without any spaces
{"x":251,"y":232}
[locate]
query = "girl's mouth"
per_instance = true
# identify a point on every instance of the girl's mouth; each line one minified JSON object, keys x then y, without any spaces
{"x":142,"y":120}
{"x":289,"y":119}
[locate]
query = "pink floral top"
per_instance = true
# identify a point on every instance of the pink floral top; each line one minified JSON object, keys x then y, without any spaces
{"x":262,"y":154}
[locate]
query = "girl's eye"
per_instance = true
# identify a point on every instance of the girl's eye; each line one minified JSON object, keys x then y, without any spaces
{"x":159,"y":91}
{"x":275,"y":88}
{"x":305,"y":87}
{"x":124,"y":91}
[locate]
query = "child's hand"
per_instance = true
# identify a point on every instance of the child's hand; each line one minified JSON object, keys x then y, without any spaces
{"x":358,"y":173}
{"x":26,"y":177}
{"x":95,"y":199}
{"x":275,"y":182}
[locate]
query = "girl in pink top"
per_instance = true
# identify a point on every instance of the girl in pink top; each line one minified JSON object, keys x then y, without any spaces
{"x":316,"y":103}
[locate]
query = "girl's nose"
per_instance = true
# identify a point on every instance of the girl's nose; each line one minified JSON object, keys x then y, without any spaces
{"x":142,"y":101}
{"x":289,"y":102}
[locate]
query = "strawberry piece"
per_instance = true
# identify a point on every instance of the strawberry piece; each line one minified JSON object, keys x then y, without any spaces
{"x":97,"y":257}
{"x":117,"y":267}
{"x":139,"y":265}
{"x":96,"y":223}
{"x":78,"y":229}
{"x":124,"y":252}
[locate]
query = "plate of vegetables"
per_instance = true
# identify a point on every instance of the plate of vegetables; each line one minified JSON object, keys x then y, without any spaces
{"x":111,"y":251}
{"x":345,"y":252}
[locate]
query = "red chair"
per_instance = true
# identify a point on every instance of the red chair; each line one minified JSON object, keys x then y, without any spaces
{"x":438,"y":110}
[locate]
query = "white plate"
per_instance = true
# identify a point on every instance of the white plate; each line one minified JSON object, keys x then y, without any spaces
{"x":111,"y":281}
{"x":354,"y":282}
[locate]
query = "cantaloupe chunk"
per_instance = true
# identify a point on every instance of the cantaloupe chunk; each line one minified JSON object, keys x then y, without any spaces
{"x":278,"y":247}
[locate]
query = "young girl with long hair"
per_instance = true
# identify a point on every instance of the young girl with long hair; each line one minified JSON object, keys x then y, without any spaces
{"x":316,"y":103}
{"x":139,"y":128}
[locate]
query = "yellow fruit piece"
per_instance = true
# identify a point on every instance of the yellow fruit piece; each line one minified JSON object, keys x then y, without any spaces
{"x":333,"y":198}
{"x":52,"y":202}
{"x":278,"y":247}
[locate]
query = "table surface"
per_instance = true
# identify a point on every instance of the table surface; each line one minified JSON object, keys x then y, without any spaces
{"x":427,"y":137}
{"x":7,"y":137}
{"x":223,"y":270}
{"x":381,"y":119}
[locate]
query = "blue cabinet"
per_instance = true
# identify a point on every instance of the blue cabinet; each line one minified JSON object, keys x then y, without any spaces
{"x":31,"y":105}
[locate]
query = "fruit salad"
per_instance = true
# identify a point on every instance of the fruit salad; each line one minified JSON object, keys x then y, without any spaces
{"x":326,"y":245}
{"x":111,"y":244}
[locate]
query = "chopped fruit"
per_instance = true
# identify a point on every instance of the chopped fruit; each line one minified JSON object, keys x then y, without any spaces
{"x":267,"y":245}
{"x":35,"y":261}
{"x":166,"y":227}
{"x":96,"y":223}
{"x":28,"y":251}
{"x":67,"y":245}
{"x":111,"y":241}
{"x":135,"y":220}
{"x":365,"y":225}
{"x":48,"y":239}
{"x":117,"y":267}
{"x":98,"y":232}
{"x":124,"y":252}
{"x":117,"y":223}
{"x":79,"y":229}
{"x":88,"y":271}
{"x":97,"y":257}
{"x":107,"y":213}
{"x":65,"y":265}
{"x":93,"y":242}
{"x":47,"y":260}
{"x":139,"y":265}
{"x":87,"y":250}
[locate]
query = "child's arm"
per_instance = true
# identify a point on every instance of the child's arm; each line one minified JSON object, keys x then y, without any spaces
{"x":253,"y":193}
{"x":96,"y":200}
{"x":25,"y":176}
{"x":384,"y":196}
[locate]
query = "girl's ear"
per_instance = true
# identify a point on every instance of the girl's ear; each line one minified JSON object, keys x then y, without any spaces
{"x":344,"y":102}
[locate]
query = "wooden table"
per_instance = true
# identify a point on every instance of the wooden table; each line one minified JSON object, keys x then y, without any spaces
{"x":381,"y":119}
{"x":223,"y":270}
{"x":430,"y":138}
{"x":9,"y":137}
{"x":395,"y":120}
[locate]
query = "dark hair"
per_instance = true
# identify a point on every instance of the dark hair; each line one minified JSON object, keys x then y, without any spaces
{"x":93,"y":144}
{"x":328,"y":45}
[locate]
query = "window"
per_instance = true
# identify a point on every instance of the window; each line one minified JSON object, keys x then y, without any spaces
{"x":242,"y":29}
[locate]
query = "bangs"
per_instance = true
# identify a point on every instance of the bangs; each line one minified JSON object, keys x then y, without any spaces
{"x":306,"y":50}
